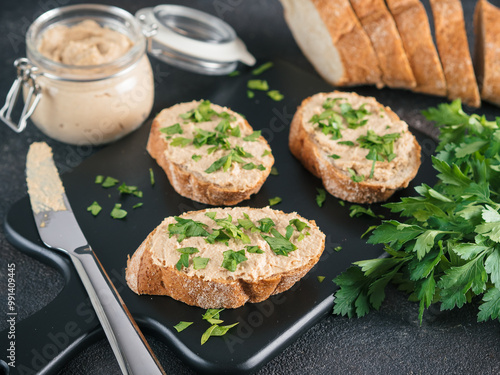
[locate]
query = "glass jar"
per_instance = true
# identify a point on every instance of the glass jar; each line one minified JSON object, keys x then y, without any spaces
{"x":89,"y":104}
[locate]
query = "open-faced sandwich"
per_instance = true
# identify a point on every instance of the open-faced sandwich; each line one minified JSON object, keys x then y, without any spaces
{"x":225,"y":257}
{"x":360,"y":149}
{"x":210,"y":153}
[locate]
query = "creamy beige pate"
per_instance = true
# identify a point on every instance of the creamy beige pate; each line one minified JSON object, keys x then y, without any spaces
{"x":258,"y":266}
{"x":86,"y":111}
{"x":355,"y":157}
{"x":236,"y":177}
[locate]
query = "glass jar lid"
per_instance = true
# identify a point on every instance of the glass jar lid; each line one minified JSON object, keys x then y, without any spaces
{"x":193,"y":40}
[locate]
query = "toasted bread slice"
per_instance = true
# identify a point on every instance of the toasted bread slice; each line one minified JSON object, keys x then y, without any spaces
{"x":487,"y":50}
{"x":414,"y":29}
{"x":331,"y":37}
{"x":451,"y":40}
{"x":213,"y":276}
{"x":328,"y":134}
{"x":381,"y":29}
{"x":209,"y":153}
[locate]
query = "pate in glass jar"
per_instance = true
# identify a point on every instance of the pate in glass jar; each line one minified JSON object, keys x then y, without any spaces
{"x":87,"y":79}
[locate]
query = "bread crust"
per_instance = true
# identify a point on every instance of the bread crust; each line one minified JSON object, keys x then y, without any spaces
{"x":381,"y":29}
{"x":192,"y":185}
{"x":487,"y":50}
{"x":451,"y":40}
{"x":146,"y":277}
{"x":337,"y":183}
{"x":413,"y":26}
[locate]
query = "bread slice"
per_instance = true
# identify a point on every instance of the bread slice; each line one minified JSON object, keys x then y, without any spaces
{"x":209,"y":153}
{"x":336,"y":156}
{"x":451,"y":40}
{"x":154,"y":269}
{"x":414,"y":29}
{"x":487,"y":50}
{"x":381,"y":29}
{"x":331,"y":37}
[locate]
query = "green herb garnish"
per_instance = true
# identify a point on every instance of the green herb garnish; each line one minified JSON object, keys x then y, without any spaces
{"x":254,"y":249}
{"x":279,"y":244}
{"x":262,"y":68}
{"x":253,"y":137}
{"x":266,"y":224}
{"x":380,"y":147}
{"x":109,"y":182}
{"x":94,"y":208}
{"x":186,"y":228}
{"x":357,"y":210}
{"x":234,"y":73}
{"x":232,"y":259}
{"x":180,"y":142}
{"x":215,"y":330}
{"x":250,"y":94}
{"x":200,"y":263}
{"x":117,"y":212}
{"x":151,"y":177}
{"x":184,"y":259}
{"x":171,"y":130}
{"x":181,"y":326}
{"x":196,"y":157}
{"x":355,"y":177}
{"x":274,"y":171}
{"x":250,"y":166}
{"x":334,"y":156}
{"x":128,"y":189}
{"x":321,"y":278}
{"x":321,"y":197}
{"x":274,"y":201}
{"x":275,"y":95}
{"x":137,"y":205}
{"x":346,"y":143}
{"x":300,"y":225}
{"x":99,"y":179}
{"x":229,"y":228}
{"x":445,"y":249}
{"x":257,"y":84}
{"x":265,"y":153}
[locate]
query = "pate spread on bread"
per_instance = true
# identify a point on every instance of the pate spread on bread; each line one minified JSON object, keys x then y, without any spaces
{"x":225,"y":257}
{"x":360,"y":149}
{"x":209,"y":153}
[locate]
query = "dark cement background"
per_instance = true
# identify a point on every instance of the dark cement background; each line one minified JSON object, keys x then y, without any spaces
{"x":389,"y":341}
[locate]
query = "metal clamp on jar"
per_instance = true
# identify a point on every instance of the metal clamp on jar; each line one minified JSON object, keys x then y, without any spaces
{"x":94,"y":104}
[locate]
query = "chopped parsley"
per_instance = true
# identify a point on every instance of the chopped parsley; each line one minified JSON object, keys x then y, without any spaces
{"x":380,"y":147}
{"x":337,"y":248}
{"x":117,"y":212}
{"x":279,"y":244}
{"x":196,"y":157}
{"x":250,"y":94}
{"x":257,"y":84}
{"x":254,"y":249}
{"x":137,"y":205}
{"x":215,"y":330}
{"x":200,"y":263}
{"x":186,"y":228}
{"x":173,"y":129}
{"x":180,"y":142}
{"x":300,"y":225}
{"x":253,"y":137}
{"x":334,"y":156}
{"x":234,"y":73}
{"x":265,"y":153}
{"x":232,"y":259}
{"x":355,"y":177}
{"x":151,"y":177}
{"x":181,"y":326}
{"x":99,"y":179}
{"x":94,"y":208}
{"x":262,"y":68}
{"x":225,"y":162}
{"x":274,"y":201}
{"x":357,"y":210}
{"x":321,"y":278}
{"x":212,"y":316}
{"x":109,"y":182}
{"x":346,"y":143}
{"x":266,"y":224}
{"x":274,"y":171}
{"x":200,"y":114}
{"x":229,"y":228}
{"x":250,"y":166}
{"x":128,"y":189}
{"x":275,"y":95}
{"x":320,"y":197}
{"x":184,"y":259}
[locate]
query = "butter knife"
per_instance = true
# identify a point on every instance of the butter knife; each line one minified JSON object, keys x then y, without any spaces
{"x":59,"y":230}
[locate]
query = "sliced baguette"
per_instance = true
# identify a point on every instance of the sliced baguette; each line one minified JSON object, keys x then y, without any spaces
{"x":336,"y":163}
{"x":331,"y":37}
{"x":381,"y":29}
{"x":152,"y":269}
{"x":451,"y":40}
{"x":414,"y":29}
{"x":487,"y":50}
{"x":188,"y":176}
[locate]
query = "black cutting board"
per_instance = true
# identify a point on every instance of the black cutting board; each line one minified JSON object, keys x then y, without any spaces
{"x":68,"y":324}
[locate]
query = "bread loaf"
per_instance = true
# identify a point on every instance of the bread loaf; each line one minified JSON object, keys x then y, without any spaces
{"x":414,"y":29}
{"x":451,"y":40}
{"x":487,"y":50}
{"x":332,"y":38}
{"x":231,"y":256}
{"x":381,"y":29}
{"x":360,"y":149}
{"x":209,"y":153}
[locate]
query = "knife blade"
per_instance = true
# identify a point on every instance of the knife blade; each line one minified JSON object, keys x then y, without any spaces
{"x":59,"y":229}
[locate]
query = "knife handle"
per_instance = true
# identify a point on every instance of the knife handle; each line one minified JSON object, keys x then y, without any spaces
{"x":131,"y":349}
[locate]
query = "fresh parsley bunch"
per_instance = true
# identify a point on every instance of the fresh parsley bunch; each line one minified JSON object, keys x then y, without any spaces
{"x":447,"y":249}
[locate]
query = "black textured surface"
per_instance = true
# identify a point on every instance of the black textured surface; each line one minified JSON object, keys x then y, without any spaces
{"x":388,"y":341}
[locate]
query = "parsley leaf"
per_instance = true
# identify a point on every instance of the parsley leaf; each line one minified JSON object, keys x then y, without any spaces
{"x":117,"y":212}
{"x":253,"y":137}
{"x":215,"y":330}
{"x":232,"y":259}
{"x":279,"y":244}
{"x":254,"y":249}
{"x":274,"y":201}
{"x":94,"y":208}
{"x":186,"y":228}
{"x":257,"y":84}
{"x":171,"y":130}
{"x":262,"y":68}
{"x":181,"y":326}
{"x":321,"y":197}
{"x":200,"y":263}
{"x":275,"y":95}
{"x":109,"y":182}
{"x":180,"y":142}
